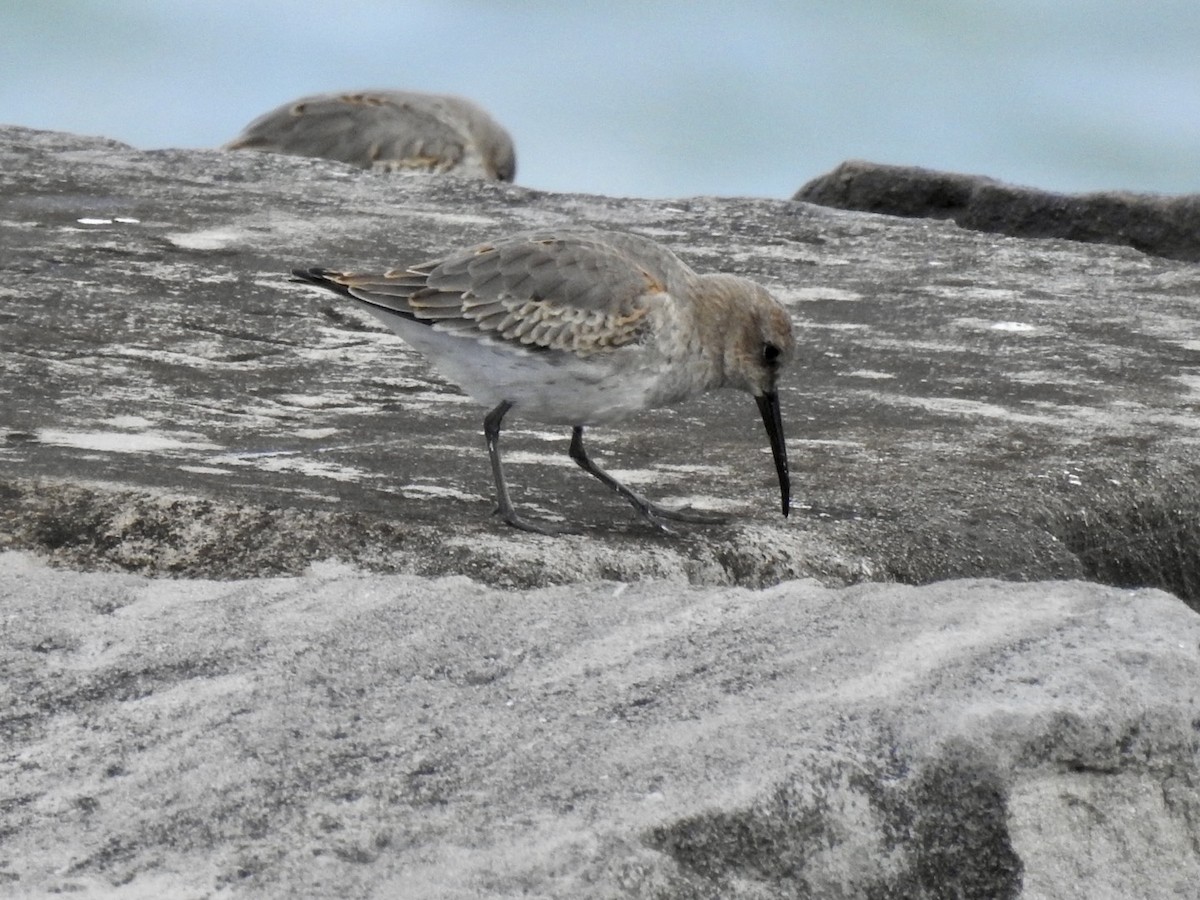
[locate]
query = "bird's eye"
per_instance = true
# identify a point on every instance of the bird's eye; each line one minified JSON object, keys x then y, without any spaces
{"x":770,"y":355}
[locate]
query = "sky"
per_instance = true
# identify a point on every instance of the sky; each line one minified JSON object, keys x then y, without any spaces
{"x":656,"y":99}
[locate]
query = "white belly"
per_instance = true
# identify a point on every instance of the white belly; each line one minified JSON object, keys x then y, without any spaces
{"x":547,"y":386}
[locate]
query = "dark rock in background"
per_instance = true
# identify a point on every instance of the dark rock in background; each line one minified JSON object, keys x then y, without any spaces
{"x":1159,"y":225}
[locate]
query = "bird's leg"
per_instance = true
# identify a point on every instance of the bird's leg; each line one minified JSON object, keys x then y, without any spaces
{"x":651,"y":512}
{"x":491,"y":431}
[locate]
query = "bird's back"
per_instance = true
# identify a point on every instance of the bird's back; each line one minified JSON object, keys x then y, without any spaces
{"x":578,"y":326}
{"x":386,"y":130}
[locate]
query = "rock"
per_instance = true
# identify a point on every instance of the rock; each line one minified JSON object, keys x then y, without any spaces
{"x":1159,"y":225}
{"x":455,"y":709}
{"x":961,"y":405}
{"x":345,"y":734}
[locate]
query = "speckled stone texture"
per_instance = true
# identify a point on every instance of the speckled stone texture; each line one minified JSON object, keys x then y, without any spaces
{"x":420,"y":702}
{"x":961,"y":404}
{"x":378,"y":736}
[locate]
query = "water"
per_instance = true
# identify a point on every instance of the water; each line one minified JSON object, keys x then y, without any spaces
{"x":656,"y":99}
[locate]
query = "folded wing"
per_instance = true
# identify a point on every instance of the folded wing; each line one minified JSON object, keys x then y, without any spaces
{"x":581,"y":292}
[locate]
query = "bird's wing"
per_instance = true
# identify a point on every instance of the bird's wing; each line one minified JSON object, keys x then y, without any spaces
{"x":385,"y":130}
{"x":581,"y":292}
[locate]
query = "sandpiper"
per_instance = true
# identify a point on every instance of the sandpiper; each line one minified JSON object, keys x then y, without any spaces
{"x":581,"y":328}
{"x":387,"y":130}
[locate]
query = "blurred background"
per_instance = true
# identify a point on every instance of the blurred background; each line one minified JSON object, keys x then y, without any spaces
{"x":656,"y":99}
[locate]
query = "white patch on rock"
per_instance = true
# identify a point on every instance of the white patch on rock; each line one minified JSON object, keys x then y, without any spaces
{"x":209,"y":238}
{"x":291,"y":461}
{"x":424,"y":491}
{"x":869,"y":373}
{"x":121,"y":441}
{"x":130,"y":422}
{"x":1019,"y":327}
{"x":813,"y":294}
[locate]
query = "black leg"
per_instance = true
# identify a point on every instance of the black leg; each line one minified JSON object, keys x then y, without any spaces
{"x":491,"y":431}
{"x":651,"y":512}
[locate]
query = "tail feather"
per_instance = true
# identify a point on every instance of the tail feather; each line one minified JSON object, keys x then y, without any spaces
{"x":335,"y":281}
{"x":321,"y":278}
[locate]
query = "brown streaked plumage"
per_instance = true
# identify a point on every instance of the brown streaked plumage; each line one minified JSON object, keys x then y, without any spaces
{"x":580,"y":328}
{"x":387,"y":130}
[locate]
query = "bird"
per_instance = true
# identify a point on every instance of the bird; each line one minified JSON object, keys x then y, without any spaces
{"x":387,"y":131}
{"x":582,"y":327}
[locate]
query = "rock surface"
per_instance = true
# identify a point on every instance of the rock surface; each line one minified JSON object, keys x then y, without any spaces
{"x":1157,"y":224}
{"x":614,"y":714}
{"x":961,"y":405}
{"x":392,"y":736}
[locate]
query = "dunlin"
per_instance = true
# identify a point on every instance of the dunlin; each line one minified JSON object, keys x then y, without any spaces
{"x":582,"y":328}
{"x":388,"y":130}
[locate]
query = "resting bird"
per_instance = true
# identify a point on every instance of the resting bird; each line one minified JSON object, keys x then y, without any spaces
{"x":387,"y":130}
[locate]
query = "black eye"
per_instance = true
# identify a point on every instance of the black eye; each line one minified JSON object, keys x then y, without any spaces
{"x":770,"y":355}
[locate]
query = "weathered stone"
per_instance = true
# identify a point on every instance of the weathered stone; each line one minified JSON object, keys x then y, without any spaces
{"x":962,"y":404}
{"x":391,"y":736}
{"x":1157,"y":224}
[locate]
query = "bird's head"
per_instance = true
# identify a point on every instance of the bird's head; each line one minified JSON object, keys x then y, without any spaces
{"x":758,"y":345}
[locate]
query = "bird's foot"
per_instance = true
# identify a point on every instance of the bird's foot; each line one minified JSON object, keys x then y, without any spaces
{"x":654,"y":514}
{"x":547,"y":528}
{"x":687,"y":514}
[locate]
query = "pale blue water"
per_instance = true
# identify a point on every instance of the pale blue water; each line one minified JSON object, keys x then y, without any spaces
{"x":657,"y":99}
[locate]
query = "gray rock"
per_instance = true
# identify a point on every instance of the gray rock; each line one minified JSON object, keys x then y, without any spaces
{"x":1160,"y":225}
{"x":961,"y":405}
{"x":390,"y":736}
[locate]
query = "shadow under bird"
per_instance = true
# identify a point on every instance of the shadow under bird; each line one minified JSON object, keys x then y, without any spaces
{"x":582,"y":328}
{"x":387,"y":130}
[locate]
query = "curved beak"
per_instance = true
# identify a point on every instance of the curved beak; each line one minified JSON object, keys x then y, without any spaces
{"x":768,"y":406}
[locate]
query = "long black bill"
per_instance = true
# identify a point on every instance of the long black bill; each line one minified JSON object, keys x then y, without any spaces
{"x":768,"y":405}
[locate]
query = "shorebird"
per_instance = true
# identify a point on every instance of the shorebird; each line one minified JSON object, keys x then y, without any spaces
{"x":582,"y":328}
{"x":387,"y":130}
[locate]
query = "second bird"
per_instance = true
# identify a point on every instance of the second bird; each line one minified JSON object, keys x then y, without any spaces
{"x":582,"y":328}
{"x":389,"y":131}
